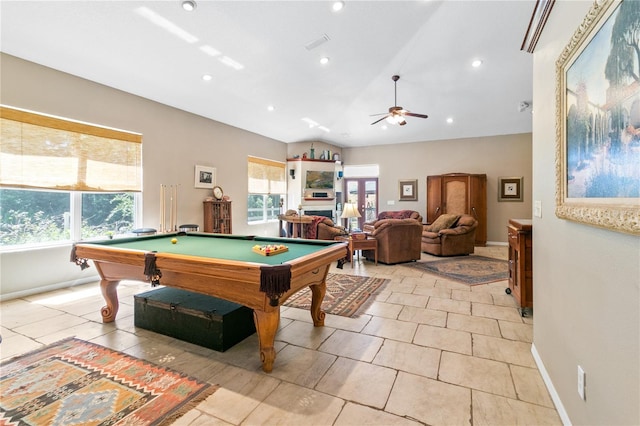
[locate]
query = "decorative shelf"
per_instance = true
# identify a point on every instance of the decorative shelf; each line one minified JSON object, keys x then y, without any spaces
{"x":316,"y":160}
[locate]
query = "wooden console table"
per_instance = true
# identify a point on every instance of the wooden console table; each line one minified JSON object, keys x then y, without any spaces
{"x":521,"y":262}
{"x":297,"y":223}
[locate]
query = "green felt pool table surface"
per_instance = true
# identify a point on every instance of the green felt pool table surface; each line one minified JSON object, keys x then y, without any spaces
{"x":218,"y":246}
{"x":219,"y":265}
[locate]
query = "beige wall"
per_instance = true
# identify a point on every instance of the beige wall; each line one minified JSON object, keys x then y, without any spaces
{"x":174,"y":142}
{"x":495,"y":156}
{"x":586,"y":279}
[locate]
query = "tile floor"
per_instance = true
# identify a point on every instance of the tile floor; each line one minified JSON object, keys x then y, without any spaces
{"x":428,"y":351}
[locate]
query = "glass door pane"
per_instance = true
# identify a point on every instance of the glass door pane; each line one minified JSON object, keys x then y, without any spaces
{"x":363,"y":193}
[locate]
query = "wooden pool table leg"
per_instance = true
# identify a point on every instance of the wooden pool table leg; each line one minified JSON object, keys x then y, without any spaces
{"x":317,"y":296}
{"x":110,"y":295}
{"x":266,"y":327}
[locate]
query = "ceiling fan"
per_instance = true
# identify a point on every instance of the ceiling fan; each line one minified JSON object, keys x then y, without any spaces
{"x":396,"y":113}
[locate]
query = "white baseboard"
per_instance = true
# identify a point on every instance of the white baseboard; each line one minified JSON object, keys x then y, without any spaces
{"x":564,"y":417}
{"x":496,"y":243}
{"x":43,"y":289}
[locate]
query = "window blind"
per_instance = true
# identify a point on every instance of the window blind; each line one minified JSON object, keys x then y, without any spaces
{"x":266,"y":176}
{"x":45,"y":152}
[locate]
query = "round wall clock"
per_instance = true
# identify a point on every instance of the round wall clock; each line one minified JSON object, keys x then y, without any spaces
{"x":217,"y":193}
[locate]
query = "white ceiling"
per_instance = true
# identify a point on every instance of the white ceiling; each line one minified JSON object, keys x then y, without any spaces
{"x":430,"y":44}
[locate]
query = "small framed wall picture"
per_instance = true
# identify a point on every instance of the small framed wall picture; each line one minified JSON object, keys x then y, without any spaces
{"x":510,"y":189}
{"x":409,"y":190}
{"x":205,"y":177}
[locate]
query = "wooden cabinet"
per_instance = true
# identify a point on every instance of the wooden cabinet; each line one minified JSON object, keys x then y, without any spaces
{"x":217,"y":217}
{"x":459,"y":193}
{"x":521,"y":262}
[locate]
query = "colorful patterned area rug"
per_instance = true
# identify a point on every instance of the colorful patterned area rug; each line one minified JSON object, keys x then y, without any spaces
{"x":73,"y":382}
{"x":471,"y":270}
{"x":347,"y":295}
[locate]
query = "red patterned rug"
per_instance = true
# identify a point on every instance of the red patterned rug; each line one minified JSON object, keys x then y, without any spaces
{"x":347,"y":295}
{"x":73,"y":382}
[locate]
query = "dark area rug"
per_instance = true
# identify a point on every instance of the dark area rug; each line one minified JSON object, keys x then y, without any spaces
{"x":73,"y":382}
{"x":347,"y":295}
{"x":471,"y":270}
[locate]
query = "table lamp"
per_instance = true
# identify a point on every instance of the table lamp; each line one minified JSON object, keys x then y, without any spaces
{"x":350,"y":210}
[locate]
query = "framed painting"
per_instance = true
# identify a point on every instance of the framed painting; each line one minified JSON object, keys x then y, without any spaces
{"x":205,"y":177}
{"x":598,"y":120}
{"x":510,"y":189}
{"x":409,"y":190}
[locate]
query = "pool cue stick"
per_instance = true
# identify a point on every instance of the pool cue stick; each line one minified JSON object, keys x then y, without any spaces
{"x":170,"y":187}
{"x":174,"y":207}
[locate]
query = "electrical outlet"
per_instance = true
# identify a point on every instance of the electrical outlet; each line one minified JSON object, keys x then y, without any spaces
{"x":390,"y":202}
{"x":581,"y":384}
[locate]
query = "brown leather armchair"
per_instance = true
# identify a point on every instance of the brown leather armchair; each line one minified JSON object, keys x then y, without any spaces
{"x":397,"y":214}
{"x":398,"y":240}
{"x":327,"y":230}
{"x":454,"y":240}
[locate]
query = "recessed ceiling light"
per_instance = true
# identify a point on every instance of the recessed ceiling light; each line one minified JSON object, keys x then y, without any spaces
{"x":189,"y":5}
{"x":207,"y":77}
{"x":337,"y":6}
{"x":324,"y":60}
{"x":270,"y":108}
{"x":384,"y":127}
{"x":449,"y":120}
{"x":476,"y":63}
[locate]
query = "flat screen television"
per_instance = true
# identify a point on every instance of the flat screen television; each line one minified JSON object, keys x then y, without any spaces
{"x":319,"y":180}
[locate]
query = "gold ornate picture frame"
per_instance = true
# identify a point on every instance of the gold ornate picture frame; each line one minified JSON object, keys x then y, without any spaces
{"x":409,"y":190}
{"x":598,"y":120}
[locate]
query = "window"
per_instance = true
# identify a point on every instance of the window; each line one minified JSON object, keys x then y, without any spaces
{"x":267,"y":188}
{"x":62,"y":180}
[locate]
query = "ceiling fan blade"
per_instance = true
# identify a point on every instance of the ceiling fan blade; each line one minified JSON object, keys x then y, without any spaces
{"x":377,"y":121}
{"x":413,"y":114}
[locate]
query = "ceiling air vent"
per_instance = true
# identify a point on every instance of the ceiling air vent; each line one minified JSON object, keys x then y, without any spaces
{"x":315,"y":43}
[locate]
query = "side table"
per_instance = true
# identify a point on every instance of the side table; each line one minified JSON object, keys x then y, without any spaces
{"x":368,"y":243}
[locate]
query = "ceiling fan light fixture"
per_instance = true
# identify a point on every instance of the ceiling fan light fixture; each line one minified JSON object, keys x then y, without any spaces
{"x":396,"y":113}
{"x":189,"y":5}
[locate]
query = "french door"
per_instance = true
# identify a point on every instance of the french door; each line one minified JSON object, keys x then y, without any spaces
{"x":363,"y":192}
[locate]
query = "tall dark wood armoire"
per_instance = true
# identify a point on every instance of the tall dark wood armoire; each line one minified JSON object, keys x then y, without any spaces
{"x":459,"y":193}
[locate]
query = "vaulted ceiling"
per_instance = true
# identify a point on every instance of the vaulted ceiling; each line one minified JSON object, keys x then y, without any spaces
{"x":267,"y":53}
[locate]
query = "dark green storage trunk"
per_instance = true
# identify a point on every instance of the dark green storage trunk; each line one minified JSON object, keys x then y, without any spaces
{"x":204,"y":320}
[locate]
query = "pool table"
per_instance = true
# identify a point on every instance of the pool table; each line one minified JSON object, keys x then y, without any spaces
{"x":224,"y":266}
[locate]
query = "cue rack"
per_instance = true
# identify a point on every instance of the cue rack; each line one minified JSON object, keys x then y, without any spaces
{"x":168,"y":202}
